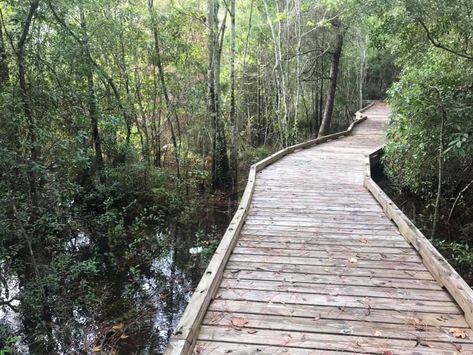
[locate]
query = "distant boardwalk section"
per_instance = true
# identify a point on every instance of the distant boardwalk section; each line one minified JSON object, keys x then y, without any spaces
{"x":312,"y":264}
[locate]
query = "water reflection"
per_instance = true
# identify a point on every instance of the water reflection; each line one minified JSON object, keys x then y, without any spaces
{"x":135,"y":304}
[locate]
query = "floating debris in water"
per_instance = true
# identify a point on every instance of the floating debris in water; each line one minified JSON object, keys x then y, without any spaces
{"x":196,"y":250}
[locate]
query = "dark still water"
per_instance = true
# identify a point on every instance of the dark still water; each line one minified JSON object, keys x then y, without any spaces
{"x":134,"y":304}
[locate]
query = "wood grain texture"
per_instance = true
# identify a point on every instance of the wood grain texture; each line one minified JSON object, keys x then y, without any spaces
{"x":313,"y":263}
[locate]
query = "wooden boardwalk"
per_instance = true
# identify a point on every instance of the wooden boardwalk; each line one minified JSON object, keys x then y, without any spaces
{"x":318,"y":268}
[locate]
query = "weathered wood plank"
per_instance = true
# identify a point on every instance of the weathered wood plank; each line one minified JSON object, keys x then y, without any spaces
{"x":328,"y":270}
{"x":318,"y":325}
{"x":281,"y":285}
{"x":220,"y":348}
{"x":362,"y":247}
{"x":325,"y":254}
{"x":347,"y":263}
{"x":388,"y":316}
{"x":339,"y":301}
{"x":377,"y":345}
{"x":366,"y":281}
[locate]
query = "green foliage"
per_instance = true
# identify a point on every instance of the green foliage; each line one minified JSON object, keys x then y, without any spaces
{"x":441,"y":85}
{"x":253,"y":155}
{"x":459,"y":254}
{"x":8,"y":348}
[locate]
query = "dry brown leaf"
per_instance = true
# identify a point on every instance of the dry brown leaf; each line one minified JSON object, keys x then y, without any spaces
{"x":118,"y":326}
{"x":239,"y":322}
{"x":417,"y":324}
{"x":457,"y":333}
{"x":353,"y":260}
{"x":414,"y":321}
{"x":363,"y":240}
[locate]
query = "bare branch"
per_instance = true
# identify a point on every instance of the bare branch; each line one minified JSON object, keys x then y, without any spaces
{"x":439,"y":45}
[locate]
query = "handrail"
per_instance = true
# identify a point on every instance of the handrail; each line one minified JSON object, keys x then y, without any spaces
{"x":184,"y":336}
{"x":442,"y":271}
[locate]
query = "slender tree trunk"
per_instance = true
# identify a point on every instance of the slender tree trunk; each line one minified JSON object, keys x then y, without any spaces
{"x":279,"y":75}
{"x":220,"y":165}
{"x":362,"y":75}
{"x":298,"y":66}
{"x":4,"y":72}
{"x":169,"y":106}
{"x":129,"y":108}
{"x":334,"y":69}
{"x":156,"y":122}
{"x":91,"y":98}
{"x":144,"y":119}
{"x":233,"y":116}
{"x":106,"y":77}
{"x":25,"y":100}
{"x":440,"y":174}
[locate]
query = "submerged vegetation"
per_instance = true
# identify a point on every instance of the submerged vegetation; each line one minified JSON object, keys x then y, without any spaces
{"x":124,"y":124}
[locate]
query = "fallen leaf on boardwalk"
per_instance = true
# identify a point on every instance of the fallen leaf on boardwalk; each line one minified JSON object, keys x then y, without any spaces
{"x":317,"y":317}
{"x":417,"y":323}
{"x":353,"y":260}
{"x":235,"y":271}
{"x":377,"y":333}
{"x":123,"y":336}
{"x":239,"y":322}
{"x":97,"y":349}
{"x":118,"y":326}
{"x":457,"y":333}
{"x":363,"y":240}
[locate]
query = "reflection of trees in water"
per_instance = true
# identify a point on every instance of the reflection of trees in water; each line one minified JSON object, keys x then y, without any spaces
{"x":132,"y":301}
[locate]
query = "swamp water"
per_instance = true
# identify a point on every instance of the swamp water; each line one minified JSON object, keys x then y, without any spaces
{"x":139,"y":305}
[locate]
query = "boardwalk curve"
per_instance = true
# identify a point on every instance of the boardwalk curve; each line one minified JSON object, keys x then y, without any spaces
{"x":312,"y":264}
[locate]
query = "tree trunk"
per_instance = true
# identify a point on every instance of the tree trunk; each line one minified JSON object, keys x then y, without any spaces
{"x":362,"y":74}
{"x":169,"y":106}
{"x":220,"y":166}
{"x":334,"y":69}
{"x":91,"y":98}
{"x":144,"y":119}
{"x":4,"y":72}
{"x":440,"y":174}
{"x":25,"y":100}
{"x":233,"y":116}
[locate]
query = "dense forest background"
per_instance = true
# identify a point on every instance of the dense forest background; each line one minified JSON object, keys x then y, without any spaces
{"x":120,"y":120}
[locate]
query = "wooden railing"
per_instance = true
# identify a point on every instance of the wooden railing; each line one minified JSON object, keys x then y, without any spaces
{"x":185,"y":334}
{"x":442,"y":271}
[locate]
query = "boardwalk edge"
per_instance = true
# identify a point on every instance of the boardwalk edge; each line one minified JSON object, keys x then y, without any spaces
{"x":184,"y":337}
{"x":439,"y":267}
